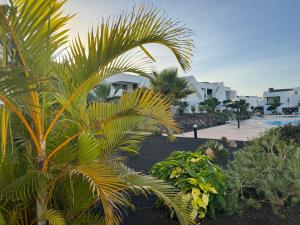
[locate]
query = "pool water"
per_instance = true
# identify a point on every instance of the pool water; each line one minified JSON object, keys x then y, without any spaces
{"x":282,"y":120}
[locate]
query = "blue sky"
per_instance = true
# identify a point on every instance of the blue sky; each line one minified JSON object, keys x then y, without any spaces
{"x":250,"y":45}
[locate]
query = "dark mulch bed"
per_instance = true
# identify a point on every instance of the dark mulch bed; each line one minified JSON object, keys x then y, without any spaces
{"x":156,"y":149}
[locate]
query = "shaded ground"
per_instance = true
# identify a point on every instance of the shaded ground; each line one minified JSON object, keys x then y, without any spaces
{"x":157,"y":149}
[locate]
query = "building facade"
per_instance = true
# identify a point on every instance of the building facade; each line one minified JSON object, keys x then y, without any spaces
{"x":253,"y":101}
{"x":288,"y":98}
{"x":125,"y":82}
{"x":206,"y":90}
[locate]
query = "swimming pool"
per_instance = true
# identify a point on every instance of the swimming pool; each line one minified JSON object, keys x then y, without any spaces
{"x":282,"y":120}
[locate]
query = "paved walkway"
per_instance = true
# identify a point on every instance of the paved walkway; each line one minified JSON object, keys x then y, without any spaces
{"x":249,"y":129}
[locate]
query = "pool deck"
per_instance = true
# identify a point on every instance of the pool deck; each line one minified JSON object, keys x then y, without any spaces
{"x":249,"y":129}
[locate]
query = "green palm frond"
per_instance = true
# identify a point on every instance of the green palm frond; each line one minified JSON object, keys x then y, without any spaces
{"x":124,"y":134}
{"x":54,"y":217}
{"x":25,"y":188}
{"x":36,"y":28}
{"x":167,"y":193}
{"x":141,"y":102}
{"x":106,"y":186}
{"x":2,"y":220}
{"x":118,"y":46}
{"x":88,"y":219}
{"x":89,"y":148}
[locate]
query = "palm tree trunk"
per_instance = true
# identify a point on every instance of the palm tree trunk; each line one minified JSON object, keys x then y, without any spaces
{"x":41,"y":200}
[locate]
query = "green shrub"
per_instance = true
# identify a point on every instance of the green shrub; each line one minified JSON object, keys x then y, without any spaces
{"x":193,"y":109}
{"x":266,"y":170}
{"x":290,"y":132}
{"x":217,"y":148}
{"x":201,"y":182}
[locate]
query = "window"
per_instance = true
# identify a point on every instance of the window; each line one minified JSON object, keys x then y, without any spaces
{"x":271,"y":100}
{"x":209,"y":93}
{"x":134,"y":86}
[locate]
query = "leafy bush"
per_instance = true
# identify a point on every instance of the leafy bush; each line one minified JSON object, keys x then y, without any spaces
{"x":266,"y":170}
{"x":290,"y":132}
{"x":201,"y":182}
{"x":193,"y":109}
{"x":217,"y":148}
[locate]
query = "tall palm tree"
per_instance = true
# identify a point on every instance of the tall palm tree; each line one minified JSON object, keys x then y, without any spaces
{"x":170,"y":84}
{"x":59,"y":155}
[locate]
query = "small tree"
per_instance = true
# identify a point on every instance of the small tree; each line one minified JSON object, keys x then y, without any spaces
{"x":193,"y":109}
{"x":210,"y":104}
{"x":259,"y":109}
{"x":182,"y":107}
{"x":274,"y":105}
{"x":240,"y":106}
{"x":226,"y":102}
{"x":170,"y":84}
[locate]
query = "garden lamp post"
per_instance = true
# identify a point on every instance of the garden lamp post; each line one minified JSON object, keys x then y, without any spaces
{"x":195,"y":131}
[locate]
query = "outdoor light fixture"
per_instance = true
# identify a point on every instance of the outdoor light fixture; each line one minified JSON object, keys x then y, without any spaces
{"x":195,"y":130}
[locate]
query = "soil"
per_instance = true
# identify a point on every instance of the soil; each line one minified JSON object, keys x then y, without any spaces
{"x":156,"y":149}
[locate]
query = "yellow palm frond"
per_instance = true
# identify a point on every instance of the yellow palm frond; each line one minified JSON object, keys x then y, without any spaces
{"x":167,"y":193}
{"x":106,"y":186}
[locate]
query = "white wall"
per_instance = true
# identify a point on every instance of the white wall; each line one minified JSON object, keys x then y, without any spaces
{"x":292,"y":95}
{"x":219,"y":91}
{"x":253,"y":101}
{"x":129,"y":79}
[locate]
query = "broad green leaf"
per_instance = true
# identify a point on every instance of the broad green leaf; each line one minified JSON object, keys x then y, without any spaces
{"x":205,"y":199}
{"x":195,"y":193}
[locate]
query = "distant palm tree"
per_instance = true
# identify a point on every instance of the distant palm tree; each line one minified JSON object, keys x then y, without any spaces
{"x":102,"y":93}
{"x":274,"y":105}
{"x":170,"y":84}
{"x":210,"y":104}
{"x":241,"y":107}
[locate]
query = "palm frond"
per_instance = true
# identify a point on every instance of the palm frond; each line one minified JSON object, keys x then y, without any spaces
{"x":89,"y":219}
{"x":124,"y":134}
{"x":118,"y":46}
{"x":54,"y":217}
{"x":4,"y":131}
{"x":141,"y":102}
{"x":25,"y":188}
{"x":167,"y":193}
{"x":2,"y":220}
{"x":106,"y":186}
{"x":37,"y":30}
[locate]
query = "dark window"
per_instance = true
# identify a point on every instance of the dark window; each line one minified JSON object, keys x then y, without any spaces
{"x":134,"y":86}
{"x":270,"y":100}
{"x":209,"y":93}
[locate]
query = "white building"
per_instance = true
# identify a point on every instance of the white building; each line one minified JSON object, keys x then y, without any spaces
{"x":253,"y":101}
{"x":206,"y":90}
{"x":125,"y":82}
{"x":289,"y":99}
{"x":203,"y":90}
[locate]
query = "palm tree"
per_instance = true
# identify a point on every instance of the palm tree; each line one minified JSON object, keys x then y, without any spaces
{"x":170,"y":84}
{"x":59,"y":155}
{"x":274,"y":105}
{"x":241,"y":107}
{"x":101,"y":93}
{"x":210,"y":104}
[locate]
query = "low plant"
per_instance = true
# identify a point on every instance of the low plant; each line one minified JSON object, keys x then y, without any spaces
{"x":290,"y":132}
{"x":201,"y":182}
{"x":193,"y":109}
{"x":218,"y":149}
{"x":266,"y":171}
